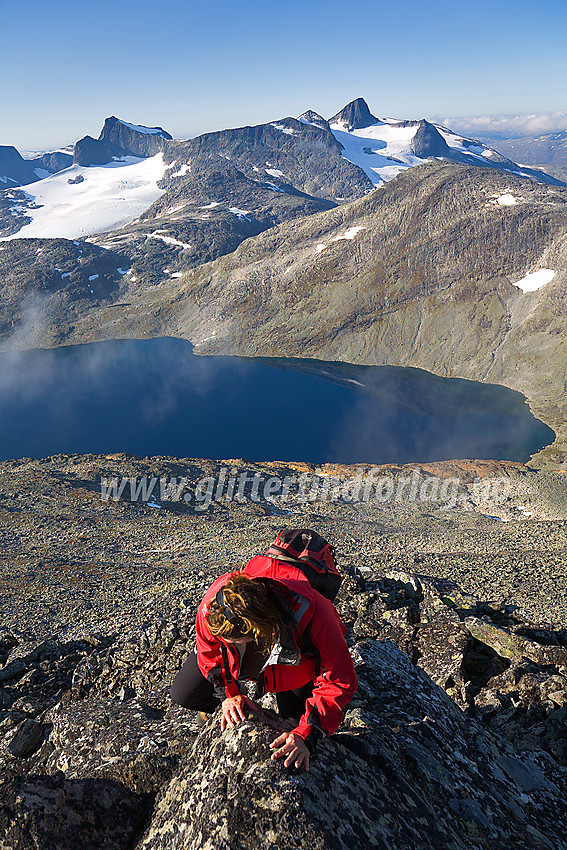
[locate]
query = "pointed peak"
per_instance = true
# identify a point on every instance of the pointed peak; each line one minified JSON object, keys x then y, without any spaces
{"x":355,"y":115}
{"x":428,"y":141}
{"x":311,"y":117}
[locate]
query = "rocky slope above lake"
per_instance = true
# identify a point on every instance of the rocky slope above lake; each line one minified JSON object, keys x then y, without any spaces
{"x":456,"y":738}
{"x":421,"y":272}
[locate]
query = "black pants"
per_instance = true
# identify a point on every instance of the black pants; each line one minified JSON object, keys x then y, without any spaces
{"x":191,"y":690}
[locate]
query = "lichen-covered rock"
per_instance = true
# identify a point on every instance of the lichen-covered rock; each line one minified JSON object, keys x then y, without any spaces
{"x":125,"y":741}
{"x":138,"y":663}
{"x":514,"y":646}
{"x":455,"y":738}
{"x":53,"y":813}
{"x":409,"y":770}
{"x":492,"y":661}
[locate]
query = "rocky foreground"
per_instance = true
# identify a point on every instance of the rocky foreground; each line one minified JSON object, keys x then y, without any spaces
{"x":457,"y":737}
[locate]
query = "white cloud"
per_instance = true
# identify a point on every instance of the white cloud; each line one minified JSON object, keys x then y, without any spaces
{"x":512,"y":125}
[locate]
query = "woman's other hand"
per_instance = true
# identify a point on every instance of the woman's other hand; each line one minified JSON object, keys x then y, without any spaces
{"x":234,"y":710}
{"x":294,"y":747}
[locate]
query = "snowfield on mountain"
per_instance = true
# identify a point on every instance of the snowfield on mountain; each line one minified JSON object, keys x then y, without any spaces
{"x":80,"y":201}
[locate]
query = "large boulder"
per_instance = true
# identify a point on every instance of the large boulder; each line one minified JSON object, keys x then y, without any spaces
{"x":53,"y":813}
{"x":408,"y":770}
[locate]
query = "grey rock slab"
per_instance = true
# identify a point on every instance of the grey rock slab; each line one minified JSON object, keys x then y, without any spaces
{"x":125,"y":741}
{"x":53,"y":813}
{"x":24,"y":739}
{"x":383,"y":781}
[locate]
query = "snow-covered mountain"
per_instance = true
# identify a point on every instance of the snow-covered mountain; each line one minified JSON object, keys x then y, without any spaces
{"x":384,"y":147}
{"x":15,"y":170}
{"x":118,"y":177}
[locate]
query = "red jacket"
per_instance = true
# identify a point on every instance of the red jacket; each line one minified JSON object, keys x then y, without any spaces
{"x":315,"y":650}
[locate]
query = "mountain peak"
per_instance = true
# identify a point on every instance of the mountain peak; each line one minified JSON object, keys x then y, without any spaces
{"x":113,"y":123}
{"x":311,"y":117}
{"x":119,"y":139}
{"x":428,"y":141}
{"x":355,"y":115}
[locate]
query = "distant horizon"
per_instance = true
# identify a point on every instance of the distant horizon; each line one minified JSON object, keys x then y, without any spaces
{"x":513,"y":126}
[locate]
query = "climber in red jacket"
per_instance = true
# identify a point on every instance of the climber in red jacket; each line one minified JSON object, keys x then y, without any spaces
{"x":266,"y":623}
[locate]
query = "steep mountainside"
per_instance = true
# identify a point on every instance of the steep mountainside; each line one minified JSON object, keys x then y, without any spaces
{"x":119,"y":139}
{"x":205,"y":215}
{"x":38,"y":275}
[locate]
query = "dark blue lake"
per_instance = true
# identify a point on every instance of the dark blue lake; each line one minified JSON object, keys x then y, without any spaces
{"x":155,"y":397}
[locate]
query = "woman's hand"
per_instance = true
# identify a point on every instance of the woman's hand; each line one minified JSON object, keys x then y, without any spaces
{"x":234,"y":710}
{"x":294,"y":747}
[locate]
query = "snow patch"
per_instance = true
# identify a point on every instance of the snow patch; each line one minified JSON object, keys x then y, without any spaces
{"x":242,"y":214}
{"x":284,"y":129}
{"x":274,"y":187}
{"x":535,"y":280}
{"x":211,"y":205}
{"x":206,"y":338}
{"x":93,"y":277}
{"x":506,"y":200}
{"x":274,"y":172}
{"x":320,"y":247}
{"x":185,"y":168}
{"x":350,"y":233}
{"x":147,"y":131}
{"x":169,"y":240}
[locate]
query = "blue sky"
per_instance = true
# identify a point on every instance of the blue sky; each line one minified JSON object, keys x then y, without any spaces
{"x":192,"y":67}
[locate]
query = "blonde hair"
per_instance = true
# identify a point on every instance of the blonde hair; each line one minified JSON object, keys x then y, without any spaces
{"x":251,"y":602}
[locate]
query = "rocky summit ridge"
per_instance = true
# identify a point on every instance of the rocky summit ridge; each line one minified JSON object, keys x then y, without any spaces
{"x":457,"y":738}
{"x":119,"y":139}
